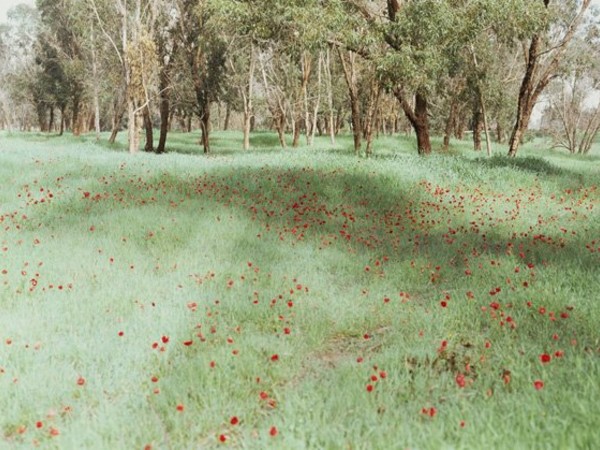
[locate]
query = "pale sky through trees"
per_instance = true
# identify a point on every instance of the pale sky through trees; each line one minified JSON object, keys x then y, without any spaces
{"x":5,"y":5}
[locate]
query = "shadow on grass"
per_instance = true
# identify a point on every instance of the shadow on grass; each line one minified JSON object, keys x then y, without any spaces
{"x":532,"y":164}
{"x":353,"y":210}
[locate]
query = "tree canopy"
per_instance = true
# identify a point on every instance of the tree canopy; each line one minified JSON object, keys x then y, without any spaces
{"x":440,"y":67}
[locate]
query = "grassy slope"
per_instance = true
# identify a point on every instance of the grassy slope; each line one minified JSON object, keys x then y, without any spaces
{"x":352,"y":258}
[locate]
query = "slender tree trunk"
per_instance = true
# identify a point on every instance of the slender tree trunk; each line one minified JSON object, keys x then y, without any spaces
{"x":371,"y":116}
{"x":317,"y":103}
{"x":339,"y":120}
{"x":499,"y":132}
{"x":76,"y":125}
{"x":205,"y":128}
{"x":132,"y":127}
{"x":117,"y":118}
{"x":164,"y":109}
{"x":227,"y":116}
{"x":486,"y":127}
{"x":164,"y":106}
{"x":149,"y":146}
{"x":477,"y":126}
{"x":459,"y":130}
{"x":450,"y":123}
{"x":306,"y":72}
{"x":62,"y":120}
{"x":280,"y":125}
{"x":42,"y":120}
{"x":348,"y":66}
{"x":51,"y":120}
{"x":247,"y":92}
{"x":329,"y":85}
{"x":297,"y":128}
{"x":170,"y":121}
{"x":95,"y":85}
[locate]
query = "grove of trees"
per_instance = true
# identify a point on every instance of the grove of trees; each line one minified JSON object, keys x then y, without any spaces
{"x":304,"y":67}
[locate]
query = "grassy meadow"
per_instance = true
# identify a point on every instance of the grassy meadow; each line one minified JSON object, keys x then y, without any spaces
{"x":298,"y":298}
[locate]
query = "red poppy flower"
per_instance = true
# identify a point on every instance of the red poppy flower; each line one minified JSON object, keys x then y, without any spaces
{"x":234,"y":420}
{"x":545,"y":358}
{"x":273,"y":431}
{"x":538,"y":384}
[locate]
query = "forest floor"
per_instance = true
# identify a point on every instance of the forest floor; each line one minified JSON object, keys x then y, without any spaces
{"x":297,"y":298}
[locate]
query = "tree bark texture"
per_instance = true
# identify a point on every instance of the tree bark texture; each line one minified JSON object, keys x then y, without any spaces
{"x":418,"y":118}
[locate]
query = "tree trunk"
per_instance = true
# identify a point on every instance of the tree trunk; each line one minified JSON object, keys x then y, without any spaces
{"x":459,"y":130}
{"x":537,"y":77}
{"x":149,"y":146}
{"x":450,"y":123}
{"x":306,"y":71}
{"x":499,"y":132}
{"x":349,"y":69}
{"x":41,"y":116}
{"x":280,"y":125}
{"x":418,"y":118}
{"x":51,"y":120}
{"x":329,"y":85}
{"x":371,"y":115}
{"x":423,"y":139}
{"x":246,"y":94}
{"x":339,"y":121}
{"x":317,"y":102}
{"x":247,"y":126}
{"x":132,"y":127}
{"x":76,"y":123}
{"x":477,"y":127}
{"x":227,"y":117}
{"x":297,"y":128}
{"x":95,"y":90}
{"x":164,"y":110}
{"x":165,"y":106}
{"x":118,"y":113}
{"x":62,"y":120}
{"x":205,"y":128}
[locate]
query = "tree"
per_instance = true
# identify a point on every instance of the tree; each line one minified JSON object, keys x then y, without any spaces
{"x":62,"y":55}
{"x":136,"y":52}
{"x":18,"y":70}
{"x":543,"y":56}
{"x":204,"y":54}
{"x":572,"y":116}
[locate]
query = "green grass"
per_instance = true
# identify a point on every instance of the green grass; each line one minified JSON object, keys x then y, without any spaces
{"x":337,"y":265}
